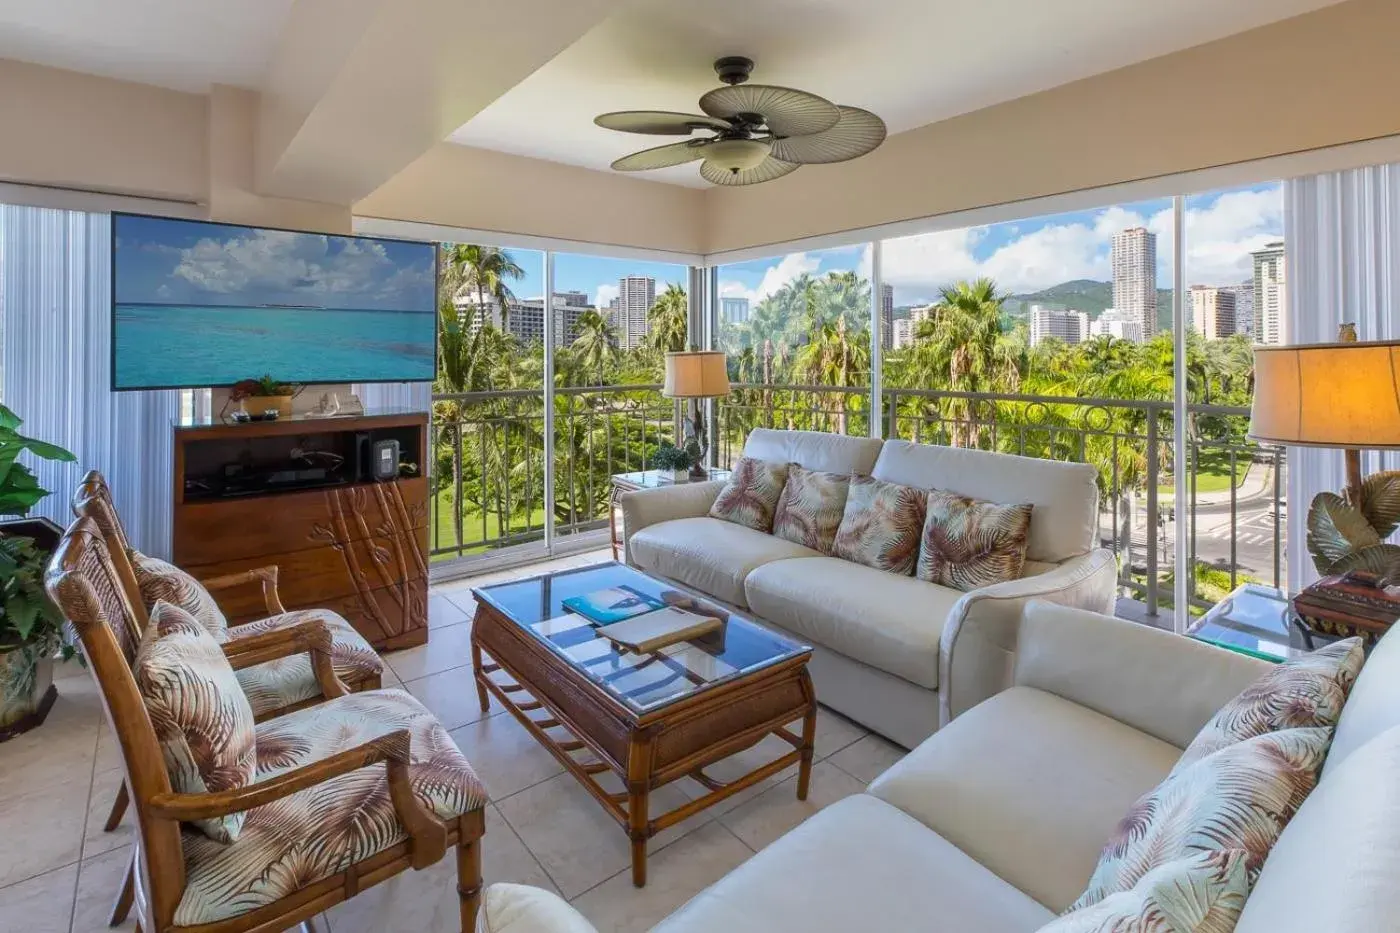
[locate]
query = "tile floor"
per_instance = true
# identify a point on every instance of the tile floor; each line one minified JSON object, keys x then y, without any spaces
{"x":59,"y":871}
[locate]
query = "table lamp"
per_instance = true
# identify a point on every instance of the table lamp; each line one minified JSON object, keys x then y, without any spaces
{"x":696,"y":375}
{"x":1347,"y":395}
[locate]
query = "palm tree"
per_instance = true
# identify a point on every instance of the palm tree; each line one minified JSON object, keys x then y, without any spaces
{"x":596,"y":343}
{"x":485,"y":270}
{"x":668,"y":320}
{"x":961,"y":347}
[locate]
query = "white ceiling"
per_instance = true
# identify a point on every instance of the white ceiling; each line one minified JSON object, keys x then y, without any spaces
{"x":913,"y":62}
{"x":181,"y":44}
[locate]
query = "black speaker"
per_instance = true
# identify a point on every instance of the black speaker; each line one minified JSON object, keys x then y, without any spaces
{"x":386,"y":460}
{"x":363,"y":457}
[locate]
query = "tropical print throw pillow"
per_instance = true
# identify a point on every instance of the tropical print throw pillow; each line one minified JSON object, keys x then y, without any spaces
{"x":1302,"y":692}
{"x":202,"y":719}
{"x":968,"y":544}
{"x":880,"y":525}
{"x":1241,"y":797}
{"x":1201,"y":893}
{"x":750,"y":498}
{"x":811,"y":506}
{"x":159,"y":580}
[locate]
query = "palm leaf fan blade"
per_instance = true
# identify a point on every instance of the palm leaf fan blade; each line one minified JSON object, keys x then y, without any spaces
{"x":661,"y":157}
{"x":859,"y":132}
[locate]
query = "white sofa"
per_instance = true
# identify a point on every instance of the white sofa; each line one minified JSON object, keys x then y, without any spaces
{"x":995,"y":824}
{"x":883,"y":644}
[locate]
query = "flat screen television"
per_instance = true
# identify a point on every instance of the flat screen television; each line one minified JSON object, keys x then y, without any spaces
{"x":199,"y":304}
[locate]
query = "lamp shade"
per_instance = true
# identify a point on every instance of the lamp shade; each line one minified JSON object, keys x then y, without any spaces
{"x":1327,"y":395}
{"x":695,"y":374}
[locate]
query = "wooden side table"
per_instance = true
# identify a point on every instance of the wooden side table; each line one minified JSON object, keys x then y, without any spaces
{"x":642,"y":479}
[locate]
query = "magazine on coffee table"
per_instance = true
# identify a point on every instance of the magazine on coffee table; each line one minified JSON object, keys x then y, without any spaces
{"x":613,"y":604}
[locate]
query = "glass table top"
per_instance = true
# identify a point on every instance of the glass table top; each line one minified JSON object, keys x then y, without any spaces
{"x":647,"y":681}
{"x":1254,"y":620}
{"x":650,"y":479}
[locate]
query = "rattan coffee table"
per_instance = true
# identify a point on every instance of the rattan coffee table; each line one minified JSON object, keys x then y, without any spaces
{"x":648,"y":718}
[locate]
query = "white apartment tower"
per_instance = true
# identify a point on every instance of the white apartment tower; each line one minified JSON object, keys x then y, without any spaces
{"x":902,"y":334}
{"x":1116,"y":324}
{"x":635,"y":296}
{"x":734,"y":310}
{"x":1244,"y":306}
{"x":886,"y":316}
{"x":1270,"y":293}
{"x":1213,"y":311}
{"x":1069,"y":326}
{"x":1134,"y":259}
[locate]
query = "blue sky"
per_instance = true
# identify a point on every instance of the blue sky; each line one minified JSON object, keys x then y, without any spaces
{"x":165,"y":261}
{"x":590,"y":274}
{"x":1028,"y":255}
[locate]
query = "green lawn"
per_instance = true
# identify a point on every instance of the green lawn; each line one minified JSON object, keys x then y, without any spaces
{"x":444,"y":536}
{"x":1212,"y":473}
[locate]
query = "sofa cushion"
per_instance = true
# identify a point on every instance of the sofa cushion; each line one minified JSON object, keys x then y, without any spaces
{"x":887,"y":621}
{"x":815,"y":450}
{"x":1334,"y":867}
{"x":859,"y":865}
{"x":1305,"y":691}
{"x":711,"y":555}
{"x":520,"y":908}
{"x":1240,"y":797}
{"x":1200,"y":893}
{"x":750,"y":498}
{"x":968,"y":544}
{"x":1030,"y":785}
{"x":158,"y":579}
{"x":811,"y":506}
{"x":1374,"y":704}
{"x":1065,"y":495}
{"x":201,"y":718}
{"x":881,"y":525}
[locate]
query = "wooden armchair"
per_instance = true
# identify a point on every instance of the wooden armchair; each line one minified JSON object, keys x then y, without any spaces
{"x":425,"y":798}
{"x":273,"y":689}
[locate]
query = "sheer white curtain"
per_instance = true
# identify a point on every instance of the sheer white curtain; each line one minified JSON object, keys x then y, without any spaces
{"x":1343,"y":265}
{"x":417,"y":396}
{"x":55,"y":294}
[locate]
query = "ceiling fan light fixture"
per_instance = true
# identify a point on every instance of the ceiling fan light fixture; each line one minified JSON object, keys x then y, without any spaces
{"x":736,"y":155}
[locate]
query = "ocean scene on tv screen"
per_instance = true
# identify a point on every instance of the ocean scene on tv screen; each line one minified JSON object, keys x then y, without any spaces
{"x":200,"y":304}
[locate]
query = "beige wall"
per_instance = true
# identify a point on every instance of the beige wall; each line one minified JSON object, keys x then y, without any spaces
{"x":67,"y":129}
{"x":1317,"y":80}
{"x":478,"y":189}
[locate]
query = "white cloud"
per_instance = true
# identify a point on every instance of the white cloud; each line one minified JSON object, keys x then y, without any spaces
{"x":604,"y":296}
{"x":788,"y":268}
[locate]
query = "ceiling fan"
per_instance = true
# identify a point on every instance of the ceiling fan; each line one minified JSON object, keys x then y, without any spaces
{"x":761,"y":132}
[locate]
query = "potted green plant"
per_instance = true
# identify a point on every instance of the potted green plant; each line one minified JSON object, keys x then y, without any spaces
{"x":259,"y":395}
{"x":31,"y":626}
{"x":673,"y":460}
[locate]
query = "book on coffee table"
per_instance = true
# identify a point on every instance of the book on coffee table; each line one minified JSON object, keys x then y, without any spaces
{"x":612,"y":605}
{"x":655,"y":630}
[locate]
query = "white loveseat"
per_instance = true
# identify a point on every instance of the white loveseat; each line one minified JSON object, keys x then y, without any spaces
{"x":995,"y":824}
{"x":883,"y":645}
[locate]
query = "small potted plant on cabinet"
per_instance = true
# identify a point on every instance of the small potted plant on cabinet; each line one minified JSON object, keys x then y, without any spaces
{"x":266,"y":393}
{"x":671,"y":459}
{"x":31,"y":627}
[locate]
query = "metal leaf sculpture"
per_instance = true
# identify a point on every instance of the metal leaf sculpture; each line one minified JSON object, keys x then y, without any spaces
{"x":1337,"y":530}
{"x":1380,"y":502}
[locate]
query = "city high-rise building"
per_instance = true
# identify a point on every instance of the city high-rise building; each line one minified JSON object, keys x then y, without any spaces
{"x":1213,"y":311}
{"x":886,"y":316}
{"x":635,"y":296}
{"x":1114,"y":323}
{"x":1270,"y":293}
{"x":1244,"y":306}
{"x":734,"y":310}
{"x":1134,"y":261}
{"x":902,"y":333}
{"x":1069,"y":326}
{"x":568,"y":308}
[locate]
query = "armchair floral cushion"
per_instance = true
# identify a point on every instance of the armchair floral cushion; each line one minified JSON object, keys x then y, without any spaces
{"x":1201,"y":893}
{"x":276,"y":685}
{"x":1308,"y":691}
{"x":1240,"y":797}
{"x":298,"y":840}
{"x":161,"y":580}
{"x":201,"y":717}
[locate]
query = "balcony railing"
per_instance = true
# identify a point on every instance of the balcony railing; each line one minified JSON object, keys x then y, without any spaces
{"x":489,"y":465}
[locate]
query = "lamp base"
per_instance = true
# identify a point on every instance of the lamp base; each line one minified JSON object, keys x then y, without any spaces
{"x":698,"y":473}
